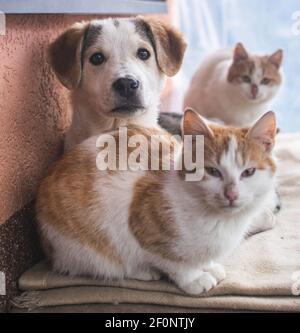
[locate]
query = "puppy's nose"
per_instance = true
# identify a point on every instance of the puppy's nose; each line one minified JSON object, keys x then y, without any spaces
{"x":126,"y":87}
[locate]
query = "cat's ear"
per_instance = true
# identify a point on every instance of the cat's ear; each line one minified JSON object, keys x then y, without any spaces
{"x":276,"y":58}
{"x":194,"y":124}
{"x":264,"y":130}
{"x":240,"y":53}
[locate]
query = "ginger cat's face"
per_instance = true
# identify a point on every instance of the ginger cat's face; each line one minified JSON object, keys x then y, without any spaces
{"x":239,"y":168}
{"x":256,"y":78}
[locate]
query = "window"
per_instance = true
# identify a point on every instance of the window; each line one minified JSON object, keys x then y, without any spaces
{"x":261,"y":25}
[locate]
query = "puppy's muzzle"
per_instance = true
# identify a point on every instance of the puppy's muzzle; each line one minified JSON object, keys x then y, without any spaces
{"x":128,"y":97}
{"x":126,"y":87}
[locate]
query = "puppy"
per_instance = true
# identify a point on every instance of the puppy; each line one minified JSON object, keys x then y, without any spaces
{"x":115,"y":70}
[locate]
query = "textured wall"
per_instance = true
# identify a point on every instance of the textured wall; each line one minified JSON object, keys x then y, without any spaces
{"x":33,"y":107}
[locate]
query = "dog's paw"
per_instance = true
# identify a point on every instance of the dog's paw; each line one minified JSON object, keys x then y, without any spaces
{"x":203,"y":283}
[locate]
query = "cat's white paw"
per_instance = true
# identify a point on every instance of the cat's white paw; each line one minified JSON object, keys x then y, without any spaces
{"x":203,"y":283}
{"x":265,"y":221}
{"x":145,"y":275}
{"x":216,"y":270}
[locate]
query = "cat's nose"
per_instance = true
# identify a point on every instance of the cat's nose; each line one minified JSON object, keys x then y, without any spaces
{"x":231,"y":195}
{"x":254,"y":90}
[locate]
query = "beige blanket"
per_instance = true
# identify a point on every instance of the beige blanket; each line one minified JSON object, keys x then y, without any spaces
{"x":263,"y":274}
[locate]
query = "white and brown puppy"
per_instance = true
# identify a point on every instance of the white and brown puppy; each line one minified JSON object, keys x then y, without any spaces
{"x":115,"y":70}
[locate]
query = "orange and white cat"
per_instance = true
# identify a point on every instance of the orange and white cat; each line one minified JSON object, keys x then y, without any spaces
{"x":138,"y":224}
{"x":236,"y":87}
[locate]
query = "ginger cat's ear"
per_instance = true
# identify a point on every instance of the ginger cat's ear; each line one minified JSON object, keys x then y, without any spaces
{"x":276,"y":58}
{"x":264,"y":130}
{"x":194,"y":124}
{"x":240,"y":53}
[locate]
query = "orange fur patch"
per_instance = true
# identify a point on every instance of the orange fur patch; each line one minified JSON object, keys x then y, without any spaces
{"x":217,"y":143}
{"x":150,"y":219}
{"x":65,"y":196}
{"x":249,"y":149}
{"x":247,"y":66}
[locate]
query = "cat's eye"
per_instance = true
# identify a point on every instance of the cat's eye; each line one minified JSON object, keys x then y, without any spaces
{"x":246,"y":79}
{"x":265,"y":81}
{"x":97,"y":59}
{"x":214,"y":172}
{"x":143,"y":54}
{"x":248,"y":172}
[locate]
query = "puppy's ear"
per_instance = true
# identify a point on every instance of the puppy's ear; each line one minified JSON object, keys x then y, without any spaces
{"x":65,"y":55}
{"x":168,"y":43}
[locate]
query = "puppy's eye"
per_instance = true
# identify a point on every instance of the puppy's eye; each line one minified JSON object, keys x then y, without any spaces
{"x":265,"y":81}
{"x":143,"y":54}
{"x":246,"y":79}
{"x":248,"y":173}
{"x":214,"y":172}
{"x":97,"y":59}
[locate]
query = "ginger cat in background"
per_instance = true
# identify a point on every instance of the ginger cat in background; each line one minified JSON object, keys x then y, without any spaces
{"x":138,"y":224}
{"x":236,"y":87}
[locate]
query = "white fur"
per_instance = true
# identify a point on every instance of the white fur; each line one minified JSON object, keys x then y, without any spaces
{"x":74,"y":258}
{"x":214,"y":97}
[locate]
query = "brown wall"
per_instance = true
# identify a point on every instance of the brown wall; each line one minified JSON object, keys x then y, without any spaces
{"x":33,"y":107}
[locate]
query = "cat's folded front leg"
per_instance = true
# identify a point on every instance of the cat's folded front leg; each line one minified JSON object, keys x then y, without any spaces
{"x":266,"y":220}
{"x":216,"y":270}
{"x":263,"y":222}
{"x":144,"y":275}
{"x":194,"y":281}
